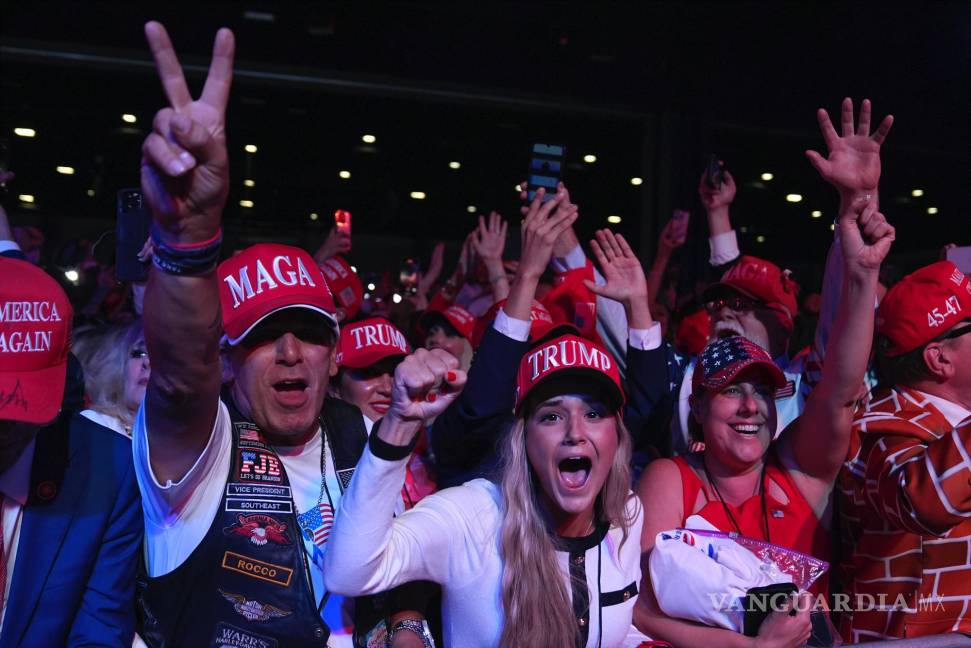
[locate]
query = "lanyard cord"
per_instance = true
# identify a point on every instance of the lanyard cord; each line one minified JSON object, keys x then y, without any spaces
{"x":728,"y":511}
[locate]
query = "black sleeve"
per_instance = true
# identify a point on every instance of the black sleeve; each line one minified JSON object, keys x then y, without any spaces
{"x":464,"y":437}
{"x":648,"y":393}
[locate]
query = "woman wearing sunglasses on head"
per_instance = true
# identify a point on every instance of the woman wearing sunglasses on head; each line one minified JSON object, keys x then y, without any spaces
{"x":743,"y":481}
{"x":547,"y":557}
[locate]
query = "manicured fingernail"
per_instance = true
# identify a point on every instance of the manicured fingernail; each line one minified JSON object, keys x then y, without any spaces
{"x":451,"y":376}
{"x":431,"y":398}
{"x":176,"y":167}
{"x":187,"y":159}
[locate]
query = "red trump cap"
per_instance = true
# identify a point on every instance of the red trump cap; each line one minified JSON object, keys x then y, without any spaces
{"x":370,"y":341}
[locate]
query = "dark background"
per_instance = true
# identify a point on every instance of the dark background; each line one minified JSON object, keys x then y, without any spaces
{"x":649,"y":88}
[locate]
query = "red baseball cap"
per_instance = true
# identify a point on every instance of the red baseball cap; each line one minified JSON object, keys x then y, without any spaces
{"x":724,"y":359}
{"x":35,"y":328}
{"x":761,"y":280}
{"x":267,"y":278}
{"x":460,"y":319}
{"x":692,"y":333}
{"x":344,"y":285}
{"x":370,"y":341}
{"x":923,"y":305}
{"x":568,"y":356}
{"x":539,"y":318}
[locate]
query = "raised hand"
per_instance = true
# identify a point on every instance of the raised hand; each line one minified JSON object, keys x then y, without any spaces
{"x":674,"y":233}
{"x":619,"y":266}
{"x":338,"y":241}
{"x":865,"y":237}
{"x":424,"y":385}
{"x":567,"y":240}
{"x":428,"y":278}
{"x":720,"y":198}
{"x":540,"y":230}
{"x":185,"y":165}
{"x":853,"y":162}
{"x":489,"y":240}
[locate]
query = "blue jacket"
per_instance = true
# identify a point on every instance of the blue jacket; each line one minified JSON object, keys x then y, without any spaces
{"x":74,"y":578}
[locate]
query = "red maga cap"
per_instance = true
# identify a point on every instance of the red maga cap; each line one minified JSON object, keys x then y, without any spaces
{"x":723,"y":360}
{"x":344,"y":284}
{"x":460,"y":319}
{"x":35,"y":327}
{"x":566,"y":356}
{"x":923,"y":305}
{"x":370,"y":341}
{"x":760,"y":280}
{"x":267,"y":278}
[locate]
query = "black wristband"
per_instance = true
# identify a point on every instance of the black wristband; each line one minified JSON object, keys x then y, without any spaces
{"x":387,"y":451}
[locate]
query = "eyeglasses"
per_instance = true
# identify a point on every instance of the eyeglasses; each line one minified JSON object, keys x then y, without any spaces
{"x":734,"y":302}
{"x":956,"y":333}
{"x":138,"y":354}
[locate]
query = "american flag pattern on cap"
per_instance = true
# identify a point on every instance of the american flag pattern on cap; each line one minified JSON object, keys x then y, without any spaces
{"x":723,"y":359}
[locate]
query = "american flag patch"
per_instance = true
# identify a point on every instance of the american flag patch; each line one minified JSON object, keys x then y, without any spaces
{"x":249,"y":434}
{"x":787,"y":391}
{"x":316,"y":523}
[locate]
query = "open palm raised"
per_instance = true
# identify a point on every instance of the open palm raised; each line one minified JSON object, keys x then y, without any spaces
{"x":185,"y":165}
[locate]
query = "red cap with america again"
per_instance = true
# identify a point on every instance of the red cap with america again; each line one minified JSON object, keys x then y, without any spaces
{"x":267,"y":278}
{"x":35,"y":327}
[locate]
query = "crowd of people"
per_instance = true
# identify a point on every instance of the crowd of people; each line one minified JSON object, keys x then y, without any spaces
{"x":247,"y":451}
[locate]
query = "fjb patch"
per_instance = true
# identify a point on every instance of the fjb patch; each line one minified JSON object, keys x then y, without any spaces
{"x":254,"y":610}
{"x":255,"y":465}
{"x":259,"y":529}
{"x":264,"y":571}
{"x":229,"y":636}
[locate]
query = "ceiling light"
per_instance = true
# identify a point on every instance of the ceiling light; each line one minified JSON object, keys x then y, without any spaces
{"x":932,"y":210}
{"x":816,"y":213}
{"x":518,"y":189}
{"x":613,"y":219}
{"x":454,"y":165}
{"x":760,"y":239}
{"x":27,"y":198}
{"x":418,"y":195}
{"x":471,"y":209}
{"x":259,"y":16}
{"x":396,"y":298}
{"x":917,"y":193}
{"x":129,"y":118}
{"x":636,"y":181}
{"x":589,"y":159}
{"x":743,"y":229}
{"x":24,"y":132}
{"x":767,"y":176}
{"x":369,"y":139}
{"x":353,"y":268}
{"x":90,"y":192}
{"x":371,"y":286}
{"x":345,"y":175}
{"x":66,"y":170}
{"x":314,"y":216}
{"x":793,"y":198}
{"x":832,"y":227}
{"x":249,"y":183}
{"x":246,"y":203}
{"x":72,"y":275}
{"x":250,"y":148}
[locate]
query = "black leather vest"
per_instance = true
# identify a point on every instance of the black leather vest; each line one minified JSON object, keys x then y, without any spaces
{"x":247,"y":583}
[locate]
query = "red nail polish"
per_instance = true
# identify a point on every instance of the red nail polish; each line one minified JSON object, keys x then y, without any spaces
{"x":450,"y":376}
{"x":431,"y":398}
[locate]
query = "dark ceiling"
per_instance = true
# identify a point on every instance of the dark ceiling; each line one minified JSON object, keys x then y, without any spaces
{"x":649,"y":88}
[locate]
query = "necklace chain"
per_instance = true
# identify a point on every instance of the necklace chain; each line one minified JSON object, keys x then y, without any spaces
{"x":728,"y":510}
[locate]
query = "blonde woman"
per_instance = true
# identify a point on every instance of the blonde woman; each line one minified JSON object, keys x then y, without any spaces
{"x":546,"y":557}
{"x":116,"y":371}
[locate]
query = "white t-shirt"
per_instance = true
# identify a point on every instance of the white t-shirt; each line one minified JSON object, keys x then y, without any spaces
{"x":178,"y":515}
{"x":452,"y":537}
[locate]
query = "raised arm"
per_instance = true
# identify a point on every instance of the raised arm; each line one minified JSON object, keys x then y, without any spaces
{"x":488,"y":241}
{"x":185,"y":181}
{"x":672,"y":237}
{"x":817,"y":441}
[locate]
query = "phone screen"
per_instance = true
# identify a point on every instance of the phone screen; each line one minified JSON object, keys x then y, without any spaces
{"x":545,"y":169}
{"x":132,"y":231}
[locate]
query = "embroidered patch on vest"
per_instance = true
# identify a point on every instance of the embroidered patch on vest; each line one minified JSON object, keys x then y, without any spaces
{"x":261,"y":491}
{"x":254,"y":610}
{"x":260,"y":529}
{"x":228,"y":636}
{"x":257,"y":465}
{"x":345,"y":477}
{"x":276,"y":574}
{"x":237,"y":505}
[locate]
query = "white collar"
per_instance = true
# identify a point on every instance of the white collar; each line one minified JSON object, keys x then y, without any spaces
{"x":953,"y":412}
{"x":15,"y":481}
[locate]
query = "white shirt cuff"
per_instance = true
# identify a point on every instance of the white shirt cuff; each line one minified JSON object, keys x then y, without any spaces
{"x":645,"y":339}
{"x":574,"y":259}
{"x":7,"y":245}
{"x":515,"y":329}
{"x":724,"y":248}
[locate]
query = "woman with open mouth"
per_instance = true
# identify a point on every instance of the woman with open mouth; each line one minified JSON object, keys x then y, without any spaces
{"x":743,"y":481}
{"x":548,"y":554}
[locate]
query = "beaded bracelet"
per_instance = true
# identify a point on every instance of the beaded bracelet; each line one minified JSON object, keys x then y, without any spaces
{"x":186,"y":259}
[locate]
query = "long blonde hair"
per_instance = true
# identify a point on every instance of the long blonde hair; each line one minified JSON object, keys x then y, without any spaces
{"x":535,"y":602}
{"x":104,"y":357}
